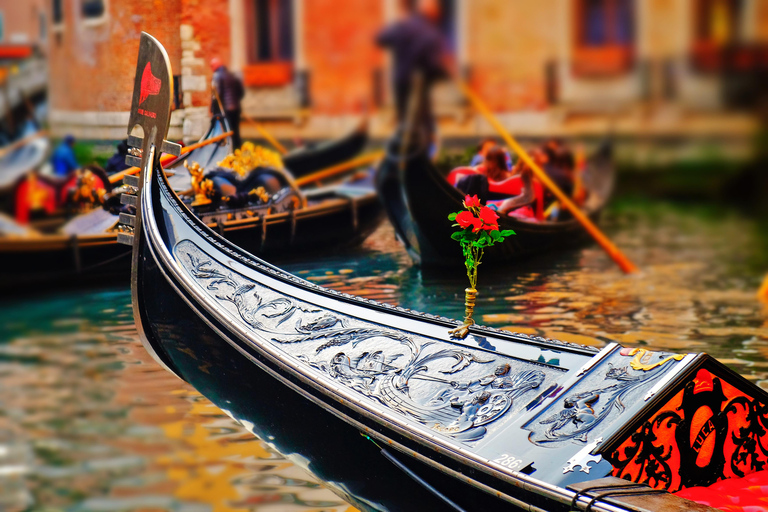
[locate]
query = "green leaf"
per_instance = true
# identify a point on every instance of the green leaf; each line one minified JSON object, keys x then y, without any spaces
{"x":496,"y":236}
{"x":458,"y":235}
{"x":452,"y":216}
{"x":507,"y":232}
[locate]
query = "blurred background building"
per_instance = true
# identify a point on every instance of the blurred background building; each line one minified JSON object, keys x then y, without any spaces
{"x":24,"y":29}
{"x":650,"y":68}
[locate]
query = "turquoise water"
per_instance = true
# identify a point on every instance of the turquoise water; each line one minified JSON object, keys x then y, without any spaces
{"x":88,"y":422}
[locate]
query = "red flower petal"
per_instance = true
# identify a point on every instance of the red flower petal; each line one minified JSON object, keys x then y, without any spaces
{"x":466,"y":219}
{"x":471,"y":201}
{"x":489,"y":216}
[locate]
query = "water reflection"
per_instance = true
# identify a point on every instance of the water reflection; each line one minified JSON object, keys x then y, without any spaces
{"x":88,"y":422}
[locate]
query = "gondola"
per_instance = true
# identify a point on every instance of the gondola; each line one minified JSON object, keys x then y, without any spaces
{"x":418,"y":199}
{"x":305,"y":160}
{"x":19,"y":161}
{"x":392,"y":413}
{"x":288,"y":225}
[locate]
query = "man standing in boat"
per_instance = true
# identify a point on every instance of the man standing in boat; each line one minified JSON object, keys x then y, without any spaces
{"x":417,"y":47}
{"x":228,"y":92}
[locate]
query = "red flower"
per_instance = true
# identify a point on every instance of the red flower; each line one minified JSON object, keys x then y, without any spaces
{"x":466,"y":219}
{"x":490,"y":218}
{"x":471,"y":201}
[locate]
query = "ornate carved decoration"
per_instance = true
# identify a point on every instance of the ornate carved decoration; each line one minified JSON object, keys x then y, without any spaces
{"x":592,"y":404}
{"x":455,"y":390}
{"x":333,"y":293}
{"x":708,"y":431}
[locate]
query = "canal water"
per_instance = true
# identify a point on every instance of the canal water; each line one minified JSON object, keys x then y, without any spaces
{"x":89,"y":423}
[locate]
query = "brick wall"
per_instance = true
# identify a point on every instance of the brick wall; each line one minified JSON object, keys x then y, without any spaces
{"x":340,"y":53}
{"x":92,"y":65}
{"x":22,"y":20}
{"x":204,"y":31}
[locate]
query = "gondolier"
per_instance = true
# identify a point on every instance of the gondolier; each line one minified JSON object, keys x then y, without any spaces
{"x":417,"y":47}
{"x":228,"y":89}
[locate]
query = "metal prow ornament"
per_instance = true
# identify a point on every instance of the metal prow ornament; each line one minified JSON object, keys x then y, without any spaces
{"x":151,"y":112}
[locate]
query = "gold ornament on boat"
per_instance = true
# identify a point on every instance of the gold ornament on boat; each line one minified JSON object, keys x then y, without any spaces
{"x":87,"y":190}
{"x":261,"y":193}
{"x":204,"y":193}
{"x":196,"y":178}
{"x":250,"y":156}
{"x":642,"y":363}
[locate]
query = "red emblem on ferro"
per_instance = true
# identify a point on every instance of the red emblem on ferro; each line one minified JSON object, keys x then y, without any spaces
{"x":150,"y":85}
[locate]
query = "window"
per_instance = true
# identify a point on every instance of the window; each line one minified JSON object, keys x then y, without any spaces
{"x":605,"y":34}
{"x":274,"y":30}
{"x":270,"y":49}
{"x":718,"y":20}
{"x":717,"y":28}
{"x":92,"y":9}
{"x":58,"y":12}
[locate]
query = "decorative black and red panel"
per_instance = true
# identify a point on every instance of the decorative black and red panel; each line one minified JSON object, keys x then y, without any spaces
{"x":714,"y":427}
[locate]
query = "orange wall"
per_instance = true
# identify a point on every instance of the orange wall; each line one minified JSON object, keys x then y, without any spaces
{"x":509,"y":44}
{"x":21,"y":18}
{"x":340,"y":52}
{"x":211,"y":28}
{"x":92,"y":67}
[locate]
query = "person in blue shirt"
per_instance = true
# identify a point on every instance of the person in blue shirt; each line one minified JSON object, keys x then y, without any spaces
{"x":63,"y":158}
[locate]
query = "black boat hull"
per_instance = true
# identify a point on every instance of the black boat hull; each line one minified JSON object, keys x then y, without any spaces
{"x":288,"y":414}
{"x":418,"y":200}
{"x":306,"y":160}
{"x":58,"y":261}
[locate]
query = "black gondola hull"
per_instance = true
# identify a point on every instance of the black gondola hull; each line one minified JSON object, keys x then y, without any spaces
{"x":306,"y":160}
{"x":291,"y":416}
{"x":418,"y":200}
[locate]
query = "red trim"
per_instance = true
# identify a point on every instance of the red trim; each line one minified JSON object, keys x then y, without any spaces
{"x":602,"y":61}
{"x":606,"y":60}
{"x":15,"y":52}
{"x":264,"y":74}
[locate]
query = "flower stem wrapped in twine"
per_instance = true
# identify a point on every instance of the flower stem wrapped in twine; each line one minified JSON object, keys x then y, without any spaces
{"x":479,"y":229}
{"x":470,"y":294}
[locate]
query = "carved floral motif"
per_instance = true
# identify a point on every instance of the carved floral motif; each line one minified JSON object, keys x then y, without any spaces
{"x":455,"y":390}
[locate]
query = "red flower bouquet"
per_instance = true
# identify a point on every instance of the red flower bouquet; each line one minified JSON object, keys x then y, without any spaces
{"x":479,"y":228}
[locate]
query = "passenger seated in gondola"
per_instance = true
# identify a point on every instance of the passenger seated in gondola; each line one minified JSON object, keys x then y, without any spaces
{"x":527,"y":195}
{"x":559,"y":165}
{"x":477,"y":180}
{"x":495,"y":165}
{"x":494,"y":185}
{"x":482,"y":150}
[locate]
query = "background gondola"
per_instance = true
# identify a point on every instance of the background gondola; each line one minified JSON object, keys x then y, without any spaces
{"x":418,"y":199}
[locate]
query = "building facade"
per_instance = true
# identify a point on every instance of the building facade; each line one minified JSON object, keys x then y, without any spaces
{"x":568,"y":67}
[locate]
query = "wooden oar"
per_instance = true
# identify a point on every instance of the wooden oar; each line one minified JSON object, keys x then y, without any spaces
{"x":762,"y":294}
{"x":613,"y":251}
{"x":169,"y":158}
{"x":339,"y":168}
{"x":264,"y":133}
{"x":15,"y":145}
